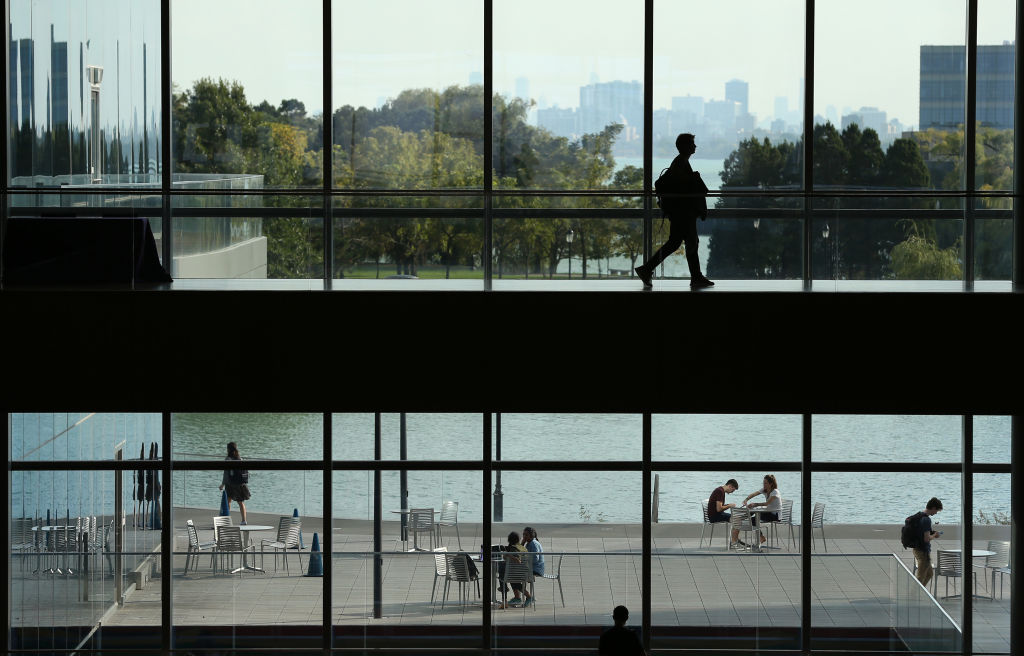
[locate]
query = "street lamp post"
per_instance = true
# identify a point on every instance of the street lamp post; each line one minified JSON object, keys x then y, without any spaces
{"x":569,"y":236}
{"x":95,"y":74}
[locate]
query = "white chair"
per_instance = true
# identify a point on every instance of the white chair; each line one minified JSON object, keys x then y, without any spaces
{"x":516,"y":572}
{"x":741,"y":522}
{"x":949,"y":565}
{"x":557,"y":576}
{"x":818,"y":522}
{"x":440,"y":568}
{"x":229,"y":542}
{"x":457,"y":570}
{"x":421,"y":520}
{"x":785,"y":519}
{"x":998,"y":563}
{"x":449,"y":517}
{"x":288,"y":529}
{"x":22,"y":536}
{"x":218,"y":521}
{"x":707,"y":523}
{"x":195,"y":546}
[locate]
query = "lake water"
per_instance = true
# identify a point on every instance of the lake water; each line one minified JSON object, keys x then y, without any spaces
{"x":529,"y":496}
{"x":710,"y":169}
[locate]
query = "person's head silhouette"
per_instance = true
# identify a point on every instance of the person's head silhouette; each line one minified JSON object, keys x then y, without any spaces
{"x":620,"y":615}
{"x":685,"y":144}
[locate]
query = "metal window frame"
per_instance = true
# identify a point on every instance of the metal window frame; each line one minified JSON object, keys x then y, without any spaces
{"x":487,"y":465}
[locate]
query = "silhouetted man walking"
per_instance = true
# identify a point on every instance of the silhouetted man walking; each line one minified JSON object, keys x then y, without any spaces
{"x":682,"y":213}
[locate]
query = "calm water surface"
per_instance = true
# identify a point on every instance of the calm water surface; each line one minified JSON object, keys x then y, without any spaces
{"x":529,"y":496}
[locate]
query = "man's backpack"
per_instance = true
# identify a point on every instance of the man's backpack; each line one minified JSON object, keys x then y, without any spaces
{"x":669,"y":183}
{"x":911,"y":535}
{"x":239,"y":476}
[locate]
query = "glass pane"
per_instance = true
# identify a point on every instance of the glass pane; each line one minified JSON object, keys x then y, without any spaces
{"x":739,"y":107}
{"x":992,"y":566}
{"x":577,"y":436}
{"x":271,"y":539}
{"x":993,"y":248}
{"x":376,"y":245}
{"x":257,"y":436}
{"x":886,"y":438}
{"x":75,"y":566}
{"x":568,"y":108}
{"x":78,"y":436}
{"x":917,"y":246}
{"x":282,"y":238}
{"x":371,"y":590}
{"x":409,"y":105}
{"x":768,"y":438}
{"x":581,"y":521}
{"x":586,"y":248}
{"x":411,"y":436}
{"x":241,"y":107}
{"x":889,"y":116}
{"x":860,"y":595}
{"x":84,"y":93}
{"x":715,"y":584}
{"x":995,"y":81}
{"x":991,"y":439}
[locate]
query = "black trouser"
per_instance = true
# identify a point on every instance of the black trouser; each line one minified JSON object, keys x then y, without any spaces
{"x":681,"y":230}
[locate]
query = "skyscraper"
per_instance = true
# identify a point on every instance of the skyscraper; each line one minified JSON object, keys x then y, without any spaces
{"x":603,"y":103}
{"x":942,"y":86}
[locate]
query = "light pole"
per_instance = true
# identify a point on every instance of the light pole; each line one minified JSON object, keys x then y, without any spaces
{"x":757,"y":248}
{"x":569,"y":236}
{"x":95,"y":74}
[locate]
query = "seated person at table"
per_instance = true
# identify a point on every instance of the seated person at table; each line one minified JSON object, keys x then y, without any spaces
{"x":772,"y":503}
{"x":514,"y":547}
{"x":717,"y":507}
{"x":716,"y":503}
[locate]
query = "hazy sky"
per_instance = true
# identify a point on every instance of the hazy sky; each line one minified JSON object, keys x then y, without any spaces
{"x":867,"y":53}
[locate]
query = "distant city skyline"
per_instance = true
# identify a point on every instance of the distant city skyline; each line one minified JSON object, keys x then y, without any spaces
{"x":867,"y":58}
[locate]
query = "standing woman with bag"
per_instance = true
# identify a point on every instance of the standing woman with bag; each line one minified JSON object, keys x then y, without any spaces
{"x":236,"y":481}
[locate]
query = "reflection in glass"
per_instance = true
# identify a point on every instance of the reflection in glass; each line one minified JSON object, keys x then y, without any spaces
{"x":84,"y":94}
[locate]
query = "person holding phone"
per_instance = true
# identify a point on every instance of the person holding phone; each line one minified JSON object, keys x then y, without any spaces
{"x":923,"y":548}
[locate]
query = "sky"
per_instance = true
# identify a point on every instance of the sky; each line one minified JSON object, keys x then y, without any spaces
{"x":867,"y":53}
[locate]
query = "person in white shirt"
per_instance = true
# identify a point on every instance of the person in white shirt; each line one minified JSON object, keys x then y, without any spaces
{"x":772,"y":503}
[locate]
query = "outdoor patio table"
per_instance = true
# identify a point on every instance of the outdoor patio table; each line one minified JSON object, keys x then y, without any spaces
{"x":245,"y":529}
{"x":756,"y":513}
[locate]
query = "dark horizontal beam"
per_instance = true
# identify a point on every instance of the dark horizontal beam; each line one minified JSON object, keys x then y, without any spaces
{"x":469,"y":351}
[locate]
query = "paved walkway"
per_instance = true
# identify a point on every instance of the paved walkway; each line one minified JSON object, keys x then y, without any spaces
{"x":693,"y":585}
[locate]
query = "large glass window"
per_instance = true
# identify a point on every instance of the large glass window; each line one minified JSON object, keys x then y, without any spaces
{"x":241,"y":107}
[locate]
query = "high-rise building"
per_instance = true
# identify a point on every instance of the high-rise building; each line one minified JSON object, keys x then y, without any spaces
{"x":738,"y":91}
{"x":603,"y":103}
{"x":868,"y":117}
{"x":943,"y":82}
{"x":558,"y":121}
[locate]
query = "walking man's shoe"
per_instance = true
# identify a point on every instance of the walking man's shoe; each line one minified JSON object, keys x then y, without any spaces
{"x":701,"y":283}
{"x":644,"y":275}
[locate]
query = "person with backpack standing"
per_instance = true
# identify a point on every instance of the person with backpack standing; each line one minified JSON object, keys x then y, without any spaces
{"x":682,"y":213}
{"x":918,"y":534}
{"x":236,"y":481}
